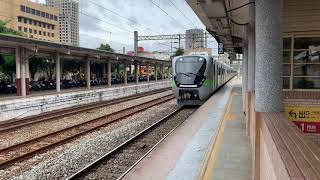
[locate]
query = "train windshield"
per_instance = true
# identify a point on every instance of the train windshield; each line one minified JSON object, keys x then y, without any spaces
{"x":190,"y":70}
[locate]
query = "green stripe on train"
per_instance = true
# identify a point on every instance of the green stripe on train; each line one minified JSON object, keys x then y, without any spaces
{"x":208,"y":83}
{"x":173,"y":83}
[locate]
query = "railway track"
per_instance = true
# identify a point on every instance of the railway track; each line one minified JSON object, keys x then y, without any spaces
{"x":118,"y":162}
{"x":52,"y":115}
{"x":43,"y":143}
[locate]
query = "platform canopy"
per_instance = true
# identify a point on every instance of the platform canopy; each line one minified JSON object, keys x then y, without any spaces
{"x":224,"y":19}
{"x":46,"y":49}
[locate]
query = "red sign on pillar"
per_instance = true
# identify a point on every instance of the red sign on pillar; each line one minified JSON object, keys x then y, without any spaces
{"x":18,"y":84}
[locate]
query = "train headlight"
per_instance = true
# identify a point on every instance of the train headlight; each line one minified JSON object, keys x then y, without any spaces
{"x":202,"y":81}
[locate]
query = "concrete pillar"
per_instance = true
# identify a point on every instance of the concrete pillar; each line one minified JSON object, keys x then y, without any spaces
{"x":244,"y":76}
{"x":18,"y":70}
{"x":155,"y":72}
{"x":268,"y":67}
{"x":125,"y":75}
{"x":104,"y":70}
{"x":148,"y":73}
{"x":251,"y":48}
{"x":169,"y":72}
{"x":61,"y":68}
{"x":58,"y":77}
{"x":23,"y":72}
{"x":136,"y":69}
{"x":27,"y":76}
{"x":162,"y":72}
{"x":87,"y":73}
{"x":109,"y":73}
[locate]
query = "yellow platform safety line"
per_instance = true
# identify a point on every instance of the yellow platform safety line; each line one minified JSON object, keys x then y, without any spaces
{"x":207,"y":169}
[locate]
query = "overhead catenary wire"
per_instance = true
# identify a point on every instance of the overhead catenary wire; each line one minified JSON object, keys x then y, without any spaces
{"x":230,"y":11}
{"x":117,"y":26}
{"x":123,"y":17}
{"x":239,"y":7}
{"x":173,"y":19}
{"x":181,"y":12}
{"x":128,"y":19}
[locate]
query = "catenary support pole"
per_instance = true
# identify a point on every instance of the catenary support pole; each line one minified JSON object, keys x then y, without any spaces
{"x":135,"y":43}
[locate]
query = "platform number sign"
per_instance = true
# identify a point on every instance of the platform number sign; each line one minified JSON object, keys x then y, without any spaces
{"x":220,"y":48}
{"x":306,"y":118}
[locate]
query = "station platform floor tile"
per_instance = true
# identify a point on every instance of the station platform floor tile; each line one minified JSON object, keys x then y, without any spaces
{"x":232,"y":158}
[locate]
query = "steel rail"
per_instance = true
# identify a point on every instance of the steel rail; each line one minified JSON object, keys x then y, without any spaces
{"x":40,"y":144}
{"x":97,"y":162}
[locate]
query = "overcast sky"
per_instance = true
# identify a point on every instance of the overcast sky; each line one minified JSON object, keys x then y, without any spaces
{"x":99,"y":25}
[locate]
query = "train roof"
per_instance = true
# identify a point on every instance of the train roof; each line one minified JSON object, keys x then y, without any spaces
{"x":206,"y":57}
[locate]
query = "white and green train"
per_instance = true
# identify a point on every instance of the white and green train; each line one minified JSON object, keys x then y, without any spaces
{"x":196,"y":77}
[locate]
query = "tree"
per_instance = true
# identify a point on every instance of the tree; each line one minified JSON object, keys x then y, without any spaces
{"x":7,"y":61}
{"x":7,"y":64}
{"x":178,"y":52}
{"x":5,"y":30}
{"x":105,"y":47}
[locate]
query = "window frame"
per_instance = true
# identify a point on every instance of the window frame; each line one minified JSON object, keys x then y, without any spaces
{"x":292,"y":63}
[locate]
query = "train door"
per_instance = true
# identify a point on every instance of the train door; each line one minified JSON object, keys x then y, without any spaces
{"x":224,"y":75}
{"x":219,"y":75}
{"x":214,"y":76}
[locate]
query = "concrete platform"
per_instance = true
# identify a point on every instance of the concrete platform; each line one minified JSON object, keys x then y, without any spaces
{"x":5,"y":97}
{"x":20,"y":107}
{"x":187,"y":152}
{"x":230,"y":156}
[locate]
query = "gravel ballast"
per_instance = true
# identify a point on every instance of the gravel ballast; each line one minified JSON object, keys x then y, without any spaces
{"x":122,"y":160}
{"x":39,"y":129}
{"x":72,"y":156}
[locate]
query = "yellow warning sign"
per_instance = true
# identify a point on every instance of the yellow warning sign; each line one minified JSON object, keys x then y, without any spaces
{"x":305,"y":114}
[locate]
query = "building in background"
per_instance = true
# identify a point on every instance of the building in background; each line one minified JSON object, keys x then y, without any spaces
{"x":68,"y":20}
{"x":194,"y":39}
{"x":35,"y":20}
{"x":198,"y":51}
{"x":155,"y":54}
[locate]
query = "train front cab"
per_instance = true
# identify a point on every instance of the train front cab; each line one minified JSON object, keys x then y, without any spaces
{"x":192,"y":81}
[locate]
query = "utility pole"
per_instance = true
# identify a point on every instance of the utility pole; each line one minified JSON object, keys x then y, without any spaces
{"x":124,"y":50}
{"x":135,"y":44}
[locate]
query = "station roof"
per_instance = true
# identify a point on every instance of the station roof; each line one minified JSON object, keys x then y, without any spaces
{"x":49,"y":49}
{"x":224,"y":19}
